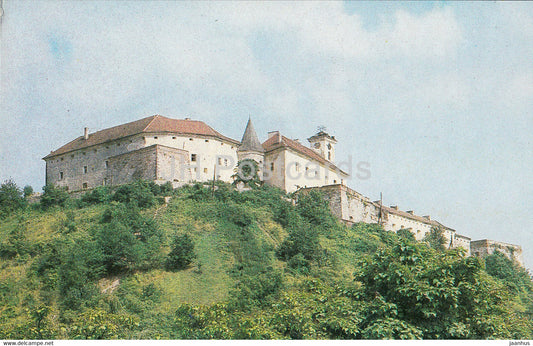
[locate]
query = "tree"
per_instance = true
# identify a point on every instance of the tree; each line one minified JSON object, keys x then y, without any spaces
{"x":182,"y":252}
{"x":28,"y":191}
{"x":313,"y":207}
{"x":53,"y":196}
{"x":11,"y":198}
{"x":435,"y":238}
{"x":128,"y":240}
{"x":247,"y":172}
{"x":139,"y":193}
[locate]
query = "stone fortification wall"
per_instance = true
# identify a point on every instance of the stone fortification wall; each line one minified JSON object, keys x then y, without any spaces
{"x":487,"y":247}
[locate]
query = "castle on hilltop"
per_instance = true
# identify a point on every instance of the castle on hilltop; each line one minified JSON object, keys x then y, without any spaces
{"x":182,"y":151}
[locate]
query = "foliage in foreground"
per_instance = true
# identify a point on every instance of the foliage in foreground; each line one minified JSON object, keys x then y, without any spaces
{"x":293,"y":272}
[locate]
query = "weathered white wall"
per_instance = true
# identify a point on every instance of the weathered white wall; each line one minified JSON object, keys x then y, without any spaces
{"x":208,"y":151}
{"x":72,"y":163}
{"x":300,"y":171}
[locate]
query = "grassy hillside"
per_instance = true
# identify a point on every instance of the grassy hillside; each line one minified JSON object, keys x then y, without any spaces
{"x":100,"y":267}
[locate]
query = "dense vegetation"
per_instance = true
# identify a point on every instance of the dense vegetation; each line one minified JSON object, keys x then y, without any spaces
{"x":217,"y":263}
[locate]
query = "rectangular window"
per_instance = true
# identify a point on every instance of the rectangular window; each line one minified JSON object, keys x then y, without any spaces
{"x":272,"y":166}
{"x":85,"y":170}
{"x":155,"y":137}
{"x":107,"y":164}
{"x":60,"y":175}
{"x":226,"y":162}
{"x":220,"y":161}
{"x":84,"y":186}
{"x":193,"y":157}
{"x":205,"y":170}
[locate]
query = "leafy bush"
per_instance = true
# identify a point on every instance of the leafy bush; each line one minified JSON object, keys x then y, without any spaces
{"x":406,"y":234}
{"x":11,"y":198}
{"x":314,"y":208}
{"x":246,"y":172}
{"x":182,"y":252}
{"x":98,"y":195}
{"x":54,"y":196}
{"x":28,"y":191}
{"x":435,"y":238}
{"x":139,"y":193}
{"x":303,"y":240}
{"x":129,"y":241}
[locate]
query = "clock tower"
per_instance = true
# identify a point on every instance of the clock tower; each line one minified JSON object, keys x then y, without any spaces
{"x":323,"y":144}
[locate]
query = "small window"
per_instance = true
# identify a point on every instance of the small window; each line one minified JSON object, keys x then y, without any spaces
{"x":84,"y":153}
{"x":272,"y":166}
{"x":334,"y":181}
{"x":60,"y":175}
{"x":95,"y":150}
{"x":329,"y":155}
{"x":205,"y":170}
{"x":297,"y":167}
{"x":118,"y":144}
{"x":195,"y":169}
{"x":84,"y":186}
{"x":193,"y":157}
{"x":85,"y":169}
{"x":174,"y":137}
{"x":72,"y":156}
{"x":107,"y":164}
{"x":190,"y":139}
{"x":155,"y":137}
{"x":107,"y":147}
{"x":105,"y":182}
{"x":220,"y":161}
{"x":207,"y":140}
{"x":225,"y":162}
{"x":62,"y":159}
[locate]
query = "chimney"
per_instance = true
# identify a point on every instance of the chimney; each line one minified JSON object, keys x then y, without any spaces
{"x":86,"y":133}
{"x":427,"y":217}
{"x":273,"y":133}
{"x":410,"y":212}
{"x":395,"y":207}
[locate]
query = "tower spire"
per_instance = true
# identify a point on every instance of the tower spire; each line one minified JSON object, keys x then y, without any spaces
{"x":249,"y":141}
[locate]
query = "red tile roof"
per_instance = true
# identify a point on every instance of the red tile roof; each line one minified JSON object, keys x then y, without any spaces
{"x":279,"y":141}
{"x":153,"y":124}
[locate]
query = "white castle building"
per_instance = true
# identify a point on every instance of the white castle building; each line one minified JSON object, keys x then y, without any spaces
{"x":183,"y":151}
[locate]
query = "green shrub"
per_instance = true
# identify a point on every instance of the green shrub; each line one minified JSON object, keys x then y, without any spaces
{"x":28,"y":191}
{"x":54,"y":196}
{"x":11,"y":198}
{"x":303,"y":240}
{"x":314,"y":208}
{"x":128,"y":240}
{"x":98,"y":195}
{"x":182,"y":252}
{"x":435,"y":238}
{"x":139,"y":193}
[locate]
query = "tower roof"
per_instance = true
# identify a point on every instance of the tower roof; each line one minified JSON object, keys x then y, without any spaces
{"x":249,"y":141}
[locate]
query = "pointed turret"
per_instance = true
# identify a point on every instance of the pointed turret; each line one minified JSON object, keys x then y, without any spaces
{"x":251,"y":148}
{"x":249,"y":141}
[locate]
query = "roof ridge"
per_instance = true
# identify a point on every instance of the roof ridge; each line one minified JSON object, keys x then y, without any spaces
{"x":151,"y":121}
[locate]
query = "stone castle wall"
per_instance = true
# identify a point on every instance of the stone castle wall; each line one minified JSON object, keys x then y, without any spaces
{"x":487,"y":247}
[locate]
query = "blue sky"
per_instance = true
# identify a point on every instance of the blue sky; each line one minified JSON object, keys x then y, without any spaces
{"x":436,"y":96}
